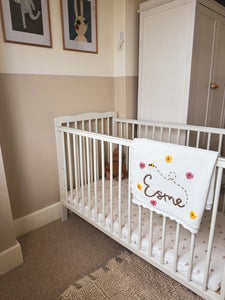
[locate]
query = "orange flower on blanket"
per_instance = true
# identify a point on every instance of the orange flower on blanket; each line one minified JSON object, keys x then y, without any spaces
{"x":168,"y":158}
{"x":139,"y":186}
{"x":193,"y":214}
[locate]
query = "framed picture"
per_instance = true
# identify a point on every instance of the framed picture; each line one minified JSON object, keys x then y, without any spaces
{"x":79,"y":22}
{"x":26,"y":22}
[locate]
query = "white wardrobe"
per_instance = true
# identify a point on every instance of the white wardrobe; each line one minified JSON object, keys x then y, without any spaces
{"x":182,"y":62}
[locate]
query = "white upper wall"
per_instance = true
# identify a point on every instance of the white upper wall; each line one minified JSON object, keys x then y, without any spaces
{"x":132,"y":42}
{"x":119,"y":26}
{"x":113,"y":17}
{"x":126,"y":19}
{"x":16,"y":58}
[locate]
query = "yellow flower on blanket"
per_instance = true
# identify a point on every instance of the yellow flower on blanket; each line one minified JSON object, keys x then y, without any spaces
{"x":139,"y":186}
{"x":193,"y":214}
{"x":168,"y":158}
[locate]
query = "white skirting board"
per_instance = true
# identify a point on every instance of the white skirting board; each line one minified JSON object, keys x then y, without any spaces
{"x":10,"y":258}
{"x":37,"y":219}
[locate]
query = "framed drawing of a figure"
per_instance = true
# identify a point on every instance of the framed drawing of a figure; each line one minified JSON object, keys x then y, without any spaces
{"x":26,"y":22}
{"x":79,"y":22}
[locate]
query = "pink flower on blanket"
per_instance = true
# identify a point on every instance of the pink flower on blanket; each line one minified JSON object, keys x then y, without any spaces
{"x":189,"y":175}
{"x":142,"y":165}
{"x":153,"y":202}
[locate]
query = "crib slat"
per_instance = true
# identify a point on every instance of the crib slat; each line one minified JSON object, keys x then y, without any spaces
{"x":191,"y":257}
{"x":146,"y":131}
{"x":163,"y":240}
{"x":208,"y":140}
{"x":78,"y":162}
{"x":95,"y":179}
{"x":188,"y":138}
{"x":150,"y":232}
{"x":103,"y":183}
{"x":89,"y":124}
{"x":70,"y":163}
{"x":169,"y":135}
{"x":96,"y":125}
{"x":220,"y":143}
{"x":75,"y":168}
{"x":175,"y":259}
{"x":161,"y":133}
{"x":81,"y":172}
{"x":126,"y":131}
{"x":91,"y":162}
{"x":103,"y":165}
{"x":139,"y":130}
{"x":102,"y":125}
{"x":139,"y":226}
{"x":129,"y":206}
{"x":153,"y":132}
{"x":96,"y":145}
{"x":126,"y":149}
{"x":120,"y":171}
{"x":198,"y":138}
{"x":213,"y":224}
{"x":84,"y":154}
{"x":132,"y":131}
{"x":121,"y":129}
{"x":108,"y":132}
{"x":178,"y":136}
{"x":88,"y":175}
{"x":114,"y":127}
{"x":64,"y":165}
{"x":111,"y":187}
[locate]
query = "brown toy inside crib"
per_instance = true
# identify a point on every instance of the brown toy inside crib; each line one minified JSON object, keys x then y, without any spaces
{"x":124,"y":173}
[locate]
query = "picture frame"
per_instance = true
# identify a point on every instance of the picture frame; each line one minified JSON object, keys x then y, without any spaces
{"x":79,"y":25}
{"x":26,"y":22}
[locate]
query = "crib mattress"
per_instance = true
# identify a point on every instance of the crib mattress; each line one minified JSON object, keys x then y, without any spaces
{"x":201,"y":242}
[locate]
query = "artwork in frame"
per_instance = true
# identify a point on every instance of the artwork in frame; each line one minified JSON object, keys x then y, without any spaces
{"x":79,"y":22}
{"x":26,"y":22}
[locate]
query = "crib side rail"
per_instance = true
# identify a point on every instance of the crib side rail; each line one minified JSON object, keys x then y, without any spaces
{"x":94,"y":122}
{"x":79,"y":156}
{"x":196,"y":136}
{"x":171,"y":125}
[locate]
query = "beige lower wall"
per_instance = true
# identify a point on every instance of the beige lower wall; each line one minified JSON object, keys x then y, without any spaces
{"x":126,"y":95}
{"x":28,"y":105}
{"x":131,"y":97}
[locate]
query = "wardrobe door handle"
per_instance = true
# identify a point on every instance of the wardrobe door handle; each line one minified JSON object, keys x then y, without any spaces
{"x":214,"y":86}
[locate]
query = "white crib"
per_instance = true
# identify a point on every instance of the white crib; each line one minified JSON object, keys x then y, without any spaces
{"x":85,"y":144}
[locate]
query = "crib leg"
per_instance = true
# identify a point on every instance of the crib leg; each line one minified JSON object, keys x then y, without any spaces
{"x":64,"y":213}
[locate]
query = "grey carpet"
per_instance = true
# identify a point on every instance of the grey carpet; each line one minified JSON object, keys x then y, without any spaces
{"x":127,"y":277}
{"x":55,"y":256}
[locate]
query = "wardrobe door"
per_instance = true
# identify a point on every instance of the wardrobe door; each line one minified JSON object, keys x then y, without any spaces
{"x":166,"y":40}
{"x":202,"y":66}
{"x":215,"y":116}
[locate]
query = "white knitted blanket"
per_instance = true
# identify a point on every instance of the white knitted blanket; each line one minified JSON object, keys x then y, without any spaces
{"x":173,"y":180}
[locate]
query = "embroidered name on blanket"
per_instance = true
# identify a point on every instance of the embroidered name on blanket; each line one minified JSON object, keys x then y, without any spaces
{"x":173,"y":180}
